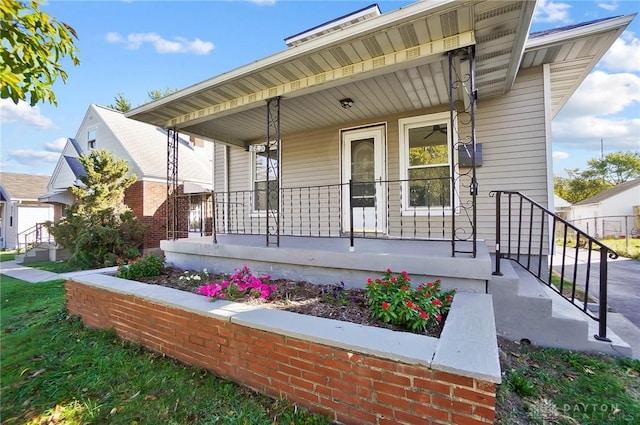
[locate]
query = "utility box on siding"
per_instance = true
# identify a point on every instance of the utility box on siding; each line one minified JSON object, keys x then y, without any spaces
{"x":465,"y":155}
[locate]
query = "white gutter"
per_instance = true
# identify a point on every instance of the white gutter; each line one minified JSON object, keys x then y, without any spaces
{"x":544,"y":41}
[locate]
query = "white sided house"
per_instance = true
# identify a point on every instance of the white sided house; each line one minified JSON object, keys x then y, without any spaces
{"x":21,"y":213}
{"x":612,"y":213}
{"x":144,"y":147}
{"x":398,"y":140}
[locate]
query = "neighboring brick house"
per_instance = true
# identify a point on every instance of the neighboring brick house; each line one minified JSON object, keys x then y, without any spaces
{"x":144,"y":147}
{"x":20,"y":209}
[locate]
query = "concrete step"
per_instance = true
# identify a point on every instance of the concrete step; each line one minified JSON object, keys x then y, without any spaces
{"x":526,"y":309}
{"x":36,"y":255}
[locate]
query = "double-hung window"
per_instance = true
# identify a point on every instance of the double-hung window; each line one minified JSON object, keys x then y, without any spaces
{"x":264,"y":197}
{"x":426,"y":163}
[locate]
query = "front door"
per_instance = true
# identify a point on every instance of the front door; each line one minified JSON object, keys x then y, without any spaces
{"x":363,"y":164}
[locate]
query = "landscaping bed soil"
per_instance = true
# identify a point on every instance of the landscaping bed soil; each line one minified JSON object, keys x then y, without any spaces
{"x":298,"y":297}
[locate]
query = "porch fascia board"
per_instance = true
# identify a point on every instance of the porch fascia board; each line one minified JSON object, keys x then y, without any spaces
{"x":357,"y":71}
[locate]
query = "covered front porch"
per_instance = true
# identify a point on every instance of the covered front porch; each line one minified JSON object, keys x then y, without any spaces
{"x":331,"y":260}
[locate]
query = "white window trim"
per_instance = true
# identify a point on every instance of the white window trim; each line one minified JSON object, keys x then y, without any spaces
{"x":94,"y":140}
{"x":404,"y":125}
{"x":252,"y":168}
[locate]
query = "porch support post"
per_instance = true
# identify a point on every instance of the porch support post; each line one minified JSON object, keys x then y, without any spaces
{"x":172,"y":183}
{"x":462,"y":108}
{"x":273,"y":173}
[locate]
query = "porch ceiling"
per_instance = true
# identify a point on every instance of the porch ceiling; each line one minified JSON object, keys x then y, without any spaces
{"x":392,"y":63}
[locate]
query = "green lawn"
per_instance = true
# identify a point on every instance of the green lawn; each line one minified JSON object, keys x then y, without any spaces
{"x":552,"y":386}
{"x":629,"y":248}
{"x":54,"y":370}
{"x":52,"y":266}
{"x":7,"y":255}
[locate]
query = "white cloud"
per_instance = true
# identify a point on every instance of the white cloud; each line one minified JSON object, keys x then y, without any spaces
{"x":30,"y":156}
{"x":611,"y":5}
{"x":560,"y":155}
{"x":552,"y":11}
{"x":603,"y":94}
{"x":22,"y":112}
{"x":57,"y":145}
{"x":263,"y":2}
{"x":134,"y":41}
{"x":586,"y":133}
{"x":624,"y":54}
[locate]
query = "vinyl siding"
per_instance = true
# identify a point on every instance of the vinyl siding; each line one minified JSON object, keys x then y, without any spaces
{"x":512,"y":132}
{"x":511,"y":129}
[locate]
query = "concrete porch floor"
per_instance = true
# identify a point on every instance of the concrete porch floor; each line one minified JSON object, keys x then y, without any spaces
{"x":329,"y":260}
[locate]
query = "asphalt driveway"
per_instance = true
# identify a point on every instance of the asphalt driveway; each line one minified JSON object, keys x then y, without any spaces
{"x":623,"y":282}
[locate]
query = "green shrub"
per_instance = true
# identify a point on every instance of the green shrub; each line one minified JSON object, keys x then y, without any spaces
{"x":146,"y":266}
{"x":392,"y":300}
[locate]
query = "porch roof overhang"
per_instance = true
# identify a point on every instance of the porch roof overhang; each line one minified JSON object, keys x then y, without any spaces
{"x":59,"y":197}
{"x":388,"y":64}
{"x":571,"y":53}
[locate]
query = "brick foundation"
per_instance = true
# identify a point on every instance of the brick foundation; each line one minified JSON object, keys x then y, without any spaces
{"x":351,"y":387}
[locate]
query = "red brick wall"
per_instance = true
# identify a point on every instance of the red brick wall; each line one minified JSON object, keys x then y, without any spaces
{"x":147,"y":201}
{"x":352,"y":388}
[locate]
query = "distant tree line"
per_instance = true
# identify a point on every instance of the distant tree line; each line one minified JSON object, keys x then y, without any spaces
{"x":601,"y":174}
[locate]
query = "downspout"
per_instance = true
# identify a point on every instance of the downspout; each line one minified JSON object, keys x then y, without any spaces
{"x":546,"y":77}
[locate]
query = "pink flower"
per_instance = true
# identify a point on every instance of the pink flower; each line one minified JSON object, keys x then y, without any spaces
{"x":221,"y":296}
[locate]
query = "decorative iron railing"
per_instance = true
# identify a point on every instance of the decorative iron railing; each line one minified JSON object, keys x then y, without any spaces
{"x":418,"y":209}
{"x":576,"y":261}
{"x":32,"y":237}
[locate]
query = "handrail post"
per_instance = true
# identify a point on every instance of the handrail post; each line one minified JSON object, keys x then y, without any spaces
{"x":602,"y":310}
{"x":497,"y":271}
{"x":351,"y":246}
{"x":213,"y":218}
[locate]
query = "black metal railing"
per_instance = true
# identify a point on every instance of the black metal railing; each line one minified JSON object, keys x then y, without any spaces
{"x":417,"y":209}
{"x":33,"y":237}
{"x":568,"y":263}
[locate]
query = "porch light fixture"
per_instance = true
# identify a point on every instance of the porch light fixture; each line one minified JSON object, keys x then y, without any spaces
{"x":346,"y":103}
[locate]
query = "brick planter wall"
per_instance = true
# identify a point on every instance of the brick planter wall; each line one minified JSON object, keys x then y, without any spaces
{"x":386,"y":377}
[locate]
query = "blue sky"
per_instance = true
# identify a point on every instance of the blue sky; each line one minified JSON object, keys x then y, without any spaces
{"x":133,"y":47}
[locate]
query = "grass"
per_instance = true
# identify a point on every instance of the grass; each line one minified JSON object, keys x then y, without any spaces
{"x":54,"y":370}
{"x":7,"y":255}
{"x":629,"y":248}
{"x":546,"y":385}
{"x":52,"y":266}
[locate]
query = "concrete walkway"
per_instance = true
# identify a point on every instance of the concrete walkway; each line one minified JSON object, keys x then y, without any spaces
{"x":31,"y":275}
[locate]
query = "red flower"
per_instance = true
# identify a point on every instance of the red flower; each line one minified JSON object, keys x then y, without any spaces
{"x":430,"y":284}
{"x":449,"y":298}
{"x":394,"y":279}
{"x":369,"y":282}
{"x":389,"y":271}
{"x":385,"y":305}
{"x":439,"y":318}
{"x":436,"y":302}
{"x":404,"y":287}
{"x":424,"y":315}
